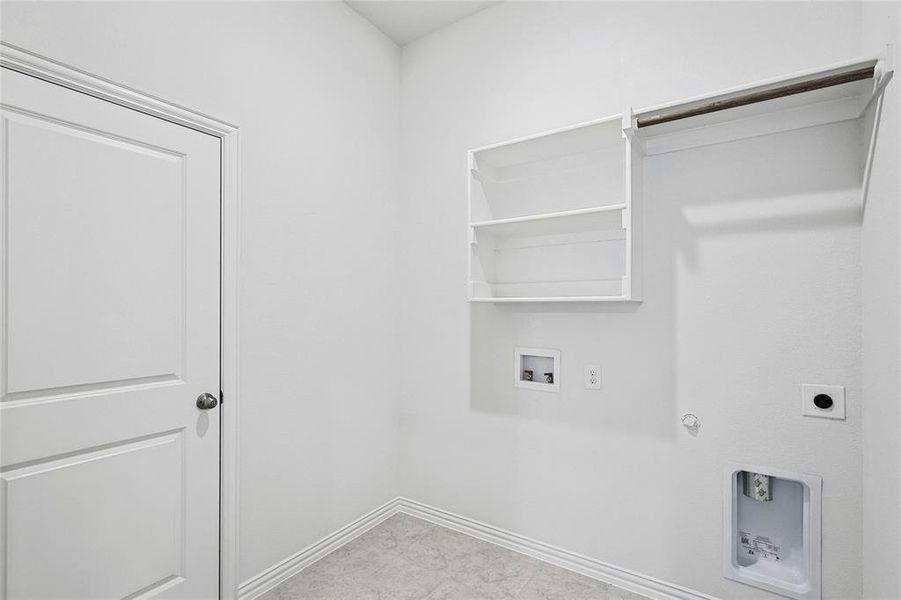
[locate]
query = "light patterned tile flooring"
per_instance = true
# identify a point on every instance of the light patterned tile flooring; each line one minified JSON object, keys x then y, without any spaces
{"x":405,"y":558}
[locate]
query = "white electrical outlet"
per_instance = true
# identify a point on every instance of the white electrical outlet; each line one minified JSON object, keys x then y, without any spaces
{"x":826,"y":401}
{"x":592,"y":377}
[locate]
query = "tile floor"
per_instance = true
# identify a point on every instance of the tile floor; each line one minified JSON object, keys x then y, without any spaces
{"x":405,"y":558}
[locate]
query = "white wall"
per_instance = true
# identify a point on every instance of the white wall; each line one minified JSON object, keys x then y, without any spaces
{"x":315,"y":90}
{"x":745,"y":300}
{"x":882,"y":335}
{"x":752,"y":287}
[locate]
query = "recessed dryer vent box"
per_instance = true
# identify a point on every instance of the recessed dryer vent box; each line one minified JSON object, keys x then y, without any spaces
{"x":537,"y":369}
{"x":772,"y":530}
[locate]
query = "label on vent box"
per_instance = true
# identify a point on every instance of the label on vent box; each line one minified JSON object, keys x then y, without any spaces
{"x":759,"y":546}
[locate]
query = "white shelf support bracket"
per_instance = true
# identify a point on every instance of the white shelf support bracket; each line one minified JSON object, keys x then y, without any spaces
{"x":871,"y":153}
{"x":630,"y":129}
{"x":885,"y":72}
{"x":634,"y":146}
{"x":628,"y":123}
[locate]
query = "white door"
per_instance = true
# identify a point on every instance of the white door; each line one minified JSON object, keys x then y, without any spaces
{"x":110,"y":332}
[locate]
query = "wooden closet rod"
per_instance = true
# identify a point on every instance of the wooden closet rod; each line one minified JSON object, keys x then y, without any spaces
{"x":755,"y":97}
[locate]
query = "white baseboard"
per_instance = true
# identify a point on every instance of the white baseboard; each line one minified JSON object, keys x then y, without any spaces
{"x":622,"y":578}
{"x":261,"y":583}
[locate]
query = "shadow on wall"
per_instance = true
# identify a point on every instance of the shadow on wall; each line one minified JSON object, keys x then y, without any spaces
{"x":733,"y":233}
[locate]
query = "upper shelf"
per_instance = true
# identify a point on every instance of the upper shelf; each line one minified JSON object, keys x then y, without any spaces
{"x":559,"y":143}
{"x":831,"y":94}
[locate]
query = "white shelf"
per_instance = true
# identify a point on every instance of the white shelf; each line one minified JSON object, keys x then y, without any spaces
{"x":548,"y":285}
{"x":556,"y":299}
{"x":766,"y":114}
{"x":537,"y":232}
{"x":554,"y":217}
{"x":570,"y":221}
{"x":562,"y":142}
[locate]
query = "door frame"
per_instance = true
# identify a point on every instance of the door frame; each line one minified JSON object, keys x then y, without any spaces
{"x":29,"y":63}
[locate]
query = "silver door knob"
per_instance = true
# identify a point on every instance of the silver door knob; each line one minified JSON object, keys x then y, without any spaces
{"x":206,"y":401}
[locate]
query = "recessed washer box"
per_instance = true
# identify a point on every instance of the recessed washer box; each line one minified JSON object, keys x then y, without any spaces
{"x":537,"y":369}
{"x":772,"y":528}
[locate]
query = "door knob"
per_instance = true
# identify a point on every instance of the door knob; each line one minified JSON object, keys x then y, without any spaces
{"x":206,"y":401}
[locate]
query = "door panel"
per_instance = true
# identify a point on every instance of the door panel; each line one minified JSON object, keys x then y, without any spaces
{"x":142,"y":504}
{"x":109,"y":332}
{"x":61,"y":230}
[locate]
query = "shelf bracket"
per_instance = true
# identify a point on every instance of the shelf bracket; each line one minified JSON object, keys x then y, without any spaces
{"x":630,"y":126}
{"x":871,"y":148}
{"x":887,"y":67}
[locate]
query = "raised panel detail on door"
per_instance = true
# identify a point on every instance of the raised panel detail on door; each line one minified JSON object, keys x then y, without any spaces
{"x":124,"y":501}
{"x":83,"y":307}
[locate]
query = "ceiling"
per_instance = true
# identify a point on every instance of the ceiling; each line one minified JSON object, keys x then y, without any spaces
{"x":405,"y":21}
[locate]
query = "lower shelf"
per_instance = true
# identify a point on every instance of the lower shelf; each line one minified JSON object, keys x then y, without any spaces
{"x":592,"y":290}
{"x":557,"y":299}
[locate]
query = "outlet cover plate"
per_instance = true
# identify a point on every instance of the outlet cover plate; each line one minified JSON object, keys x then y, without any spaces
{"x":809,"y":391}
{"x":592,"y":377}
